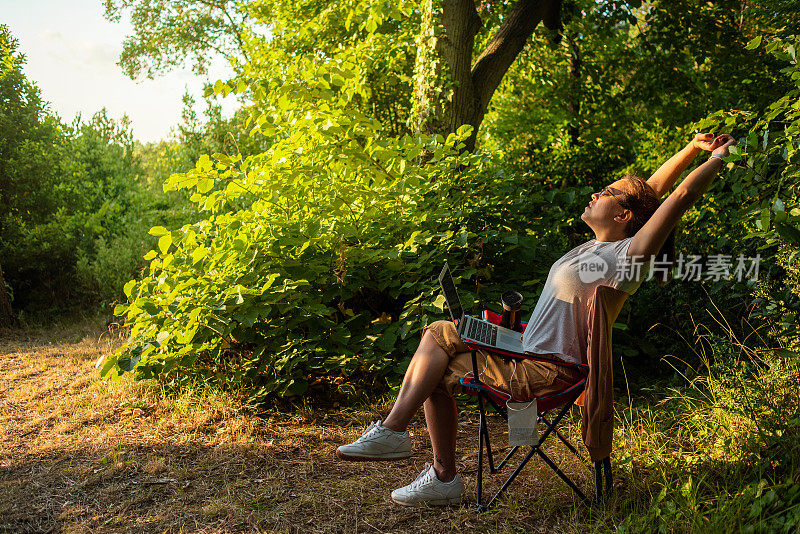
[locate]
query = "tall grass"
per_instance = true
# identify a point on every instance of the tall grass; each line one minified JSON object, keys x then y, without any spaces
{"x":719,"y":451}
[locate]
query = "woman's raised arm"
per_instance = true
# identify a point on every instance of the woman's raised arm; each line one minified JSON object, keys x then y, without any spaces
{"x":669,"y":171}
{"x":649,"y":239}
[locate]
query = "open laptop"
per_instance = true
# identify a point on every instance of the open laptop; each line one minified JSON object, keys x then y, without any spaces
{"x":472,"y":330}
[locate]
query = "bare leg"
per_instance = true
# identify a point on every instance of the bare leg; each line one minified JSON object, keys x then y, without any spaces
{"x":424,"y":373}
{"x":441,"y":416}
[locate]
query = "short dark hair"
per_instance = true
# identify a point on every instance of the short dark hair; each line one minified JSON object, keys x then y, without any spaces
{"x":643,"y":201}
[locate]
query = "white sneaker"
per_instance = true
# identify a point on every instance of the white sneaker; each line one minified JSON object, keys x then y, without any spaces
{"x":428,"y":489}
{"x":377,"y":443}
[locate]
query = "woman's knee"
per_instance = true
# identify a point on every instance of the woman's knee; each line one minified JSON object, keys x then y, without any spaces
{"x":444,"y":332}
{"x":446,"y":388}
{"x":431,"y":343}
{"x":442,"y":326}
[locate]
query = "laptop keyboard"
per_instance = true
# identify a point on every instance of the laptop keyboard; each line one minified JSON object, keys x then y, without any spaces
{"x":481,"y":331}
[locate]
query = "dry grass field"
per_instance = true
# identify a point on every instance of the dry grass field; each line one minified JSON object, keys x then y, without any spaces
{"x":81,"y":455}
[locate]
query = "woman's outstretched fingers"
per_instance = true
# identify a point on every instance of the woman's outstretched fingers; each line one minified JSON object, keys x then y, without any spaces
{"x":704,"y":141}
{"x":726,"y":140}
{"x":720,"y":140}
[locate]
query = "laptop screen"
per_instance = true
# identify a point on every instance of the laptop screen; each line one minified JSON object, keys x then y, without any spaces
{"x":450,"y":293}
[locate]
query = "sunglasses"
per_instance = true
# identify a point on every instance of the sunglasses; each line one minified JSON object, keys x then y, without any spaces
{"x":608,"y":191}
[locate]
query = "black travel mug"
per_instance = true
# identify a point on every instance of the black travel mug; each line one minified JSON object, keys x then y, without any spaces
{"x":512,"y":304}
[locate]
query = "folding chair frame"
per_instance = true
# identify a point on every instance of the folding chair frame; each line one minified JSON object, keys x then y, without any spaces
{"x":485,"y":394}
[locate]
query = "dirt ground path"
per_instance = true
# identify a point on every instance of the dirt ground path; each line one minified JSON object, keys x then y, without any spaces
{"x":81,"y":455}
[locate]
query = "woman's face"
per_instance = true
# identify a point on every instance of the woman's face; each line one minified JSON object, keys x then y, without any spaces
{"x":604,"y":210}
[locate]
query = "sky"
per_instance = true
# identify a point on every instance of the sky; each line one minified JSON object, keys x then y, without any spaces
{"x":71,"y":53}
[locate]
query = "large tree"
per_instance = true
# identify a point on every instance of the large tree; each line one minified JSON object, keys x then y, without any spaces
{"x":452,"y":79}
{"x":451,"y":89}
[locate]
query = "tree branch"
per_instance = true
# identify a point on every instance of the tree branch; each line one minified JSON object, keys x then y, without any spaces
{"x":237,"y":32}
{"x":505,"y":46}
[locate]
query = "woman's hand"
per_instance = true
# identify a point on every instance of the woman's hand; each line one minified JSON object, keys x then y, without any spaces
{"x":722,"y":143}
{"x":704,"y":141}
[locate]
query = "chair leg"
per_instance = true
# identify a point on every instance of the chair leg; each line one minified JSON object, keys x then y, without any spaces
{"x":598,"y":482}
{"x":561,"y":437}
{"x":507,"y":458}
{"x":480,"y":452}
{"x":607,"y":469}
{"x":485,"y":430}
{"x":602,"y":473}
{"x":562,"y":476}
{"x":509,"y":480}
{"x":536,"y":449}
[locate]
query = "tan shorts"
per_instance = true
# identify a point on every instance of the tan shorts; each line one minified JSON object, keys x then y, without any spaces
{"x":525,"y":379}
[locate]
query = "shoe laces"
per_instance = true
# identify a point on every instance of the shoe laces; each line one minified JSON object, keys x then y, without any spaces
{"x":421,"y":478}
{"x":372,"y":426}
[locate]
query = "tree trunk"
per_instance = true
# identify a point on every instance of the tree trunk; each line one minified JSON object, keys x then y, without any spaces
{"x":449,"y":91}
{"x":7,"y":317}
{"x":574,"y":103}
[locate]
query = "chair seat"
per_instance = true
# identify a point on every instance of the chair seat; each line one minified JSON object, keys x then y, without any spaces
{"x":544,"y":404}
{"x":604,"y":307}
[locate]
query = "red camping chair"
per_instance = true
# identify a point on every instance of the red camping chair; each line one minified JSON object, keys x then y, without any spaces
{"x":593,"y":392}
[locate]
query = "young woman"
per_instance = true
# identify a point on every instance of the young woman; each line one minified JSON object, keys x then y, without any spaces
{"x":630,"y":225}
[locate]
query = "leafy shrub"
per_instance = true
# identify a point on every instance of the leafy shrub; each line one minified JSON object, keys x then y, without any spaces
{"x":312,"y":257}
{"x":757,"y":207}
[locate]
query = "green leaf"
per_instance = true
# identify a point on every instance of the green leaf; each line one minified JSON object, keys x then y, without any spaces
{"x":162,"y":337}
{"x":204,"y":185}
{"x":129,"y":361}
{"x":198,"y":254}
{"x":164,"y":242}
{"x":765,"y":216}
{"x":239,"y":297}
{"x":789,"y":233}
{"x":270,"y":280}
{"x":158,"y":231}
{"x":464,"y":131}
{"x":222,"y":158}
{"x":754,"y":43}
{"x":107,"y":362}
{"x":127,"y":288}
{"x":439,"y":302}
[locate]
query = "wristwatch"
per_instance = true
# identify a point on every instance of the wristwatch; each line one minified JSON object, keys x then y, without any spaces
{"x":720,"y":156}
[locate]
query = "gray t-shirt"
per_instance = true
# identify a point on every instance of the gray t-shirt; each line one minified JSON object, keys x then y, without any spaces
{"x":560,"y":322}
